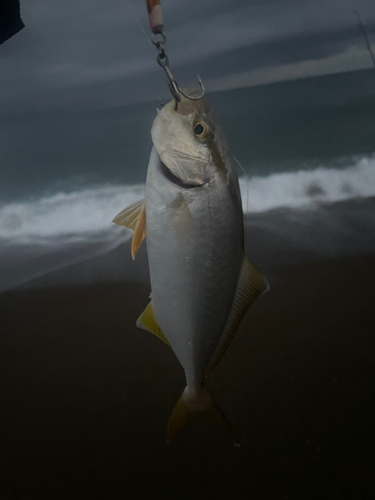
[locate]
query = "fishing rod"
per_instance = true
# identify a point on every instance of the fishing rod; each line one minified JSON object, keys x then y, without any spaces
{"x":155,"y":17}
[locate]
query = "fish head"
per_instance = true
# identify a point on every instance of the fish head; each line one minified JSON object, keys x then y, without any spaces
{"x":189,"y":142}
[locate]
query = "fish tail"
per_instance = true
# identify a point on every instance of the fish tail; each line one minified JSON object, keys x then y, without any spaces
{"x":192,"y":405}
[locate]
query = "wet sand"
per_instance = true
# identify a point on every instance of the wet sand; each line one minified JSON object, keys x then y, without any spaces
{"x":86,"y":396}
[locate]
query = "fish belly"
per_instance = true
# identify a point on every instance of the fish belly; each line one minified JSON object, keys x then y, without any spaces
{"x":195,"y":252}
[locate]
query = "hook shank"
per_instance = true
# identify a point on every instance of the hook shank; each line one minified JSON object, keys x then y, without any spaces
{"x":159,"y":40}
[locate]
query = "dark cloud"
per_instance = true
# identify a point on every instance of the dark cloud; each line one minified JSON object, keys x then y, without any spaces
{"x":93,"y":53}
{"x":290,"y":49}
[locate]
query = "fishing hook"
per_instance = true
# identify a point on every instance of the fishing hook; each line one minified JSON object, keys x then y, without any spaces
{"x":163,"y":61}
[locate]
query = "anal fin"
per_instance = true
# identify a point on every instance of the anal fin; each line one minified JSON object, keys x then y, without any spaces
{"x":147,"y":321}
{"x":251,"y":283}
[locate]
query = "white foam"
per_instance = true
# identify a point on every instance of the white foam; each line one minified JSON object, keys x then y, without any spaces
{"x":68,"y":216}
{"x":79,"y":216}
{"x":309,"y":188}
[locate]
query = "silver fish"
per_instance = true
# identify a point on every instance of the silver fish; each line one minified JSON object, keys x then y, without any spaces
{"x":201,"y":280}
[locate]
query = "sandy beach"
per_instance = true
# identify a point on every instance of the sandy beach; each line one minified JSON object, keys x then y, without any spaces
{"x":86,"y":395}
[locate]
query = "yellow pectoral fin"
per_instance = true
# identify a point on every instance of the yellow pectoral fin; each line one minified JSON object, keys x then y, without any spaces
{"x":147,"y":321}
{"x":251,"y":283}
{"x":129,"y":216}
{"x":134,"y":217}
{"x":139,"y":232}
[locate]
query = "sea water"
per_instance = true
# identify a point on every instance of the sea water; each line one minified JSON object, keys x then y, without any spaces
{"x":65,"y":174}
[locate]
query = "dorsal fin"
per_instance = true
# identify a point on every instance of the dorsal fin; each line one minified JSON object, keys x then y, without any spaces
{"x":147,"y":321}
{"x":251,"y":283}
{"x":134,"y":217}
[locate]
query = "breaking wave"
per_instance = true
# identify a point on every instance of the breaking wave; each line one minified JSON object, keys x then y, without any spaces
{"x":70,"y":217}
{"x":309,"y":188}
{"x":79,"y":216}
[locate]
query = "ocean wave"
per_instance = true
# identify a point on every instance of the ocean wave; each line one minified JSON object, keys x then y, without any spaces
{"x":78,"y":216}
{"x":67,"y":217}
{"x":309,"y":188}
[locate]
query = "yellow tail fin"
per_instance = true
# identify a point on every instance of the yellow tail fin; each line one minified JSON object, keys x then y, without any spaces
{"x":195,"y":404}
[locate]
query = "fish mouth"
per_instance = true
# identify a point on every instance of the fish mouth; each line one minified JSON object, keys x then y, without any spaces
{"x":173,"y":178}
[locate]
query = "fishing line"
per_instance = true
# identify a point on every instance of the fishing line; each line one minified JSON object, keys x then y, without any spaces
{"x":235,"y":159}
{"x":144,"y":34}
{"x":247,"y":184}
{"x":139,"y":23}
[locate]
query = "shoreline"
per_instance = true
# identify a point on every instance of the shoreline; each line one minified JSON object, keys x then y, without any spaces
{"x":272,"y":239}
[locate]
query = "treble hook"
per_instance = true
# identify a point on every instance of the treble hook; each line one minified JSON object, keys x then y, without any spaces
{"x":163,"y":61}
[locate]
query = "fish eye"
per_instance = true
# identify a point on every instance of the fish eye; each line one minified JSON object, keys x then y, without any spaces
{"x":200,"y":130}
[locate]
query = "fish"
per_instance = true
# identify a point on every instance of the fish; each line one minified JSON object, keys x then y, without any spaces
{"x":202,"y":282}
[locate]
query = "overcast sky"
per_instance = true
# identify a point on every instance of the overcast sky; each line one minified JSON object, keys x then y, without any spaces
{"x":92,"y":53}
